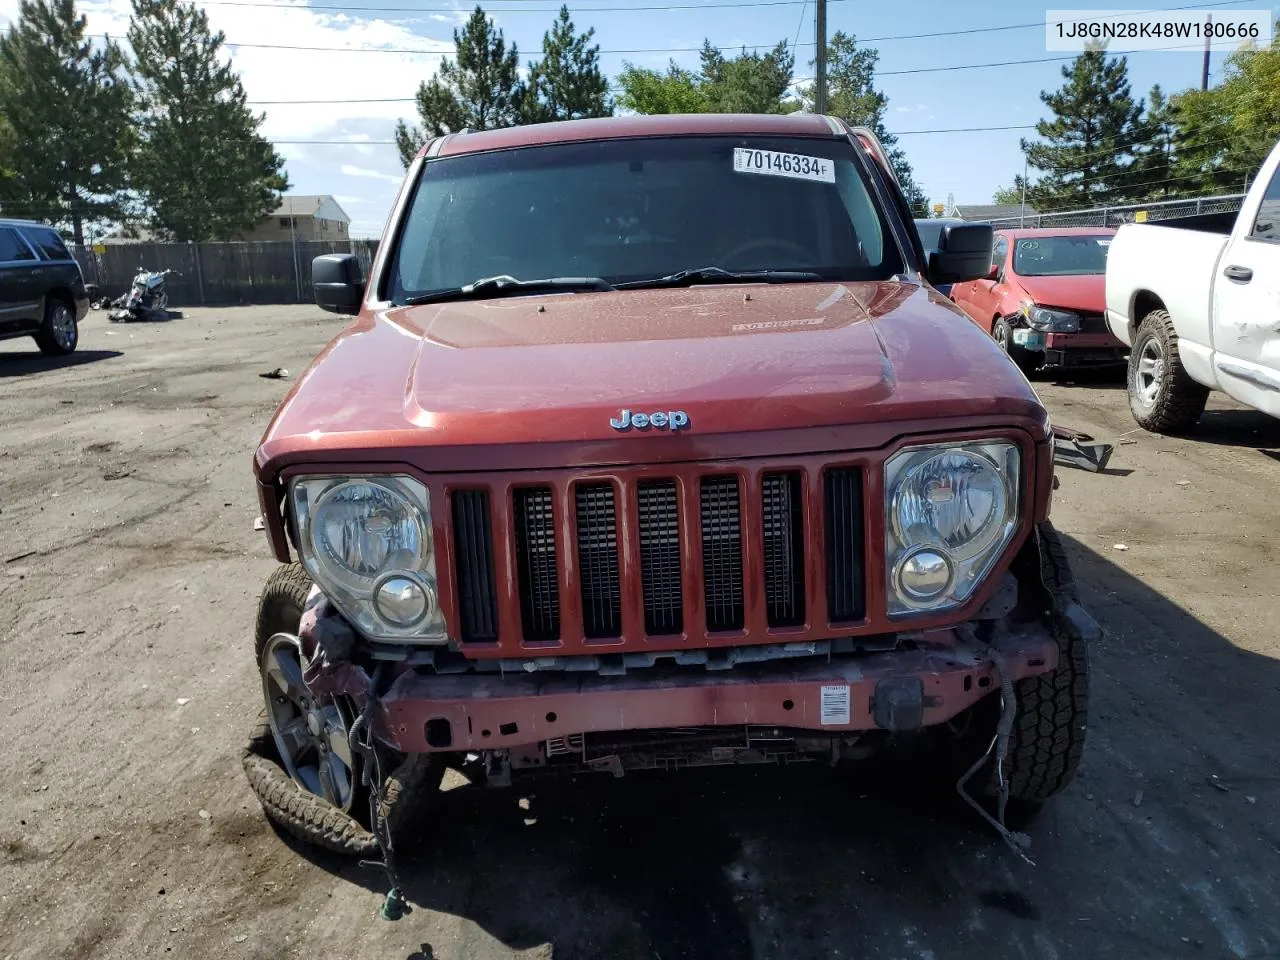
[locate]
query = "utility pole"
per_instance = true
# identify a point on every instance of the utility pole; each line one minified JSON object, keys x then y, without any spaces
{"x":1204,"y":77}
{"x":820,"y":32}
{"x":1022,"y":218}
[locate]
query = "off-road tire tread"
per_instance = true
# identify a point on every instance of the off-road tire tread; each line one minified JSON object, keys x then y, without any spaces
{"x":1184,"y":399}
{"x":300,"y":813}
{"x":407,"y":799}
{"x":44,"y":336}
{"x":286,"y":590}
{"x":1048,"y":734}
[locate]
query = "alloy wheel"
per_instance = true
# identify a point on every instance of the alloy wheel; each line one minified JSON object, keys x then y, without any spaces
{"x":311,"y":735}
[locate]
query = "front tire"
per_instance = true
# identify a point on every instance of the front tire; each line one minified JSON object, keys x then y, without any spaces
{"x":1048,"y":735}
{"x":322,"y":812}
{"x":1162,"y":396}
{"x":1028,"y":361}
{"x":1051,"y":710}
{"x":59,"y":333}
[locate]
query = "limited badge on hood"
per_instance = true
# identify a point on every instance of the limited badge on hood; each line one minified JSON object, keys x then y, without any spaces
{"x":663,"y":420}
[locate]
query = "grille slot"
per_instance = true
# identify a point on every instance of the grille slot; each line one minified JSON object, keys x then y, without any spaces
{"x":473,"y":567}
{"x":598,"y":560}
{"x":722,"y":552}
{"x":783,"y":518}
{"x":659,"y":534}
{"x":844,"y":547}
{"x":536,"y":561}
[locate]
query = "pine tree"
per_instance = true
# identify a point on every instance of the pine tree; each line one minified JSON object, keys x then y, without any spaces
{"x":202,"y":169}
{"x":1090,"y":140}
{"x":852,"y":96}
{"x":66,"y":102}
{"x":566,"y":84}
{"x":480,"y":90}
{"x":1152,"y":169}
{"x":748,"y":83}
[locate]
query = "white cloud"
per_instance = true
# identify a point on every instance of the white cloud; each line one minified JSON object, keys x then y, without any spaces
{"x":351,"y":170}
{"x":291,"y":75}
{"x":271,"y":76}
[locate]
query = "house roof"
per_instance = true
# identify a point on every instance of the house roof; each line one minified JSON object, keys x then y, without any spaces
{"x":306,"y":205}
{"x":991,"y":211}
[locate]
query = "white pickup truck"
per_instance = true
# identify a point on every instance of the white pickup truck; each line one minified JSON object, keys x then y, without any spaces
{"x":1197,"y":299}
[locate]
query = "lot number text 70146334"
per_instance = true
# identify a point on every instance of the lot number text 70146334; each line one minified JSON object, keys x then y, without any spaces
{"x":795,"y":165}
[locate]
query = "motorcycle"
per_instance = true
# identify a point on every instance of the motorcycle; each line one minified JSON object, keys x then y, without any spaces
{"x":147,"y":298}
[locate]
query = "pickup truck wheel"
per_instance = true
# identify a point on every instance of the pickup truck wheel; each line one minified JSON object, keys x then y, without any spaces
{"x":59,"y":333}
{"x":1162,"y":396}
{"x":1028,"y":361}
{"x":299,"y":763}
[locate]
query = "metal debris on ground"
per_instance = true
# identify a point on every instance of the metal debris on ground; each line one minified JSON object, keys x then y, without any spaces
{"x":1074,"y":449}
{"x":279,"y":373}
{"x":1120,"y":546}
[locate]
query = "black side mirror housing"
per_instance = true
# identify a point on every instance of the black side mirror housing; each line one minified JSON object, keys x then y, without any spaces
{"x":963,"y":254}
{"x":338,"y":282}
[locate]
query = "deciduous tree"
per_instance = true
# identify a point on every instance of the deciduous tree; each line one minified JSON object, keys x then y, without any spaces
{"x":66,"y":100}
{"x":674,"y":90}
{"x":202,"y":169}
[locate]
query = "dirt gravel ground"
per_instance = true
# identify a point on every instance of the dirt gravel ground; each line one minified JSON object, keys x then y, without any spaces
{"x":129,"y":574}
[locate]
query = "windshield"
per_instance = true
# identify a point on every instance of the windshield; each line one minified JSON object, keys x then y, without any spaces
{"x":638,"y":209}
{"x":1072,"y":256}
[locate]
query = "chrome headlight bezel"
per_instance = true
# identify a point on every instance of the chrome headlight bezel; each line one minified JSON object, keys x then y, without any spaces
{"x":354,"y":593}
{"x":1050,"y":320}
{"x":967,"y":562}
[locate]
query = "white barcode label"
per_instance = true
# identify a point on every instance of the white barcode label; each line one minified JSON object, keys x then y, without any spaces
{"x":835,"y":705}
{"x":794,"y":165}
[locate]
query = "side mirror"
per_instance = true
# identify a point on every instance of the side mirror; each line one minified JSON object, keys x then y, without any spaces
{"x":963,"y":254}
{"x":995,"y":272}
{"x":338,"y":284}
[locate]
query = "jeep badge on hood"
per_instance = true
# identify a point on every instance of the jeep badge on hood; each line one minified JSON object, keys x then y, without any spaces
{"x":671,"y":419}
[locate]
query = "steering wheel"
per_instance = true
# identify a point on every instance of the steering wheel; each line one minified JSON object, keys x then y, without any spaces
{"x":786,"y":246}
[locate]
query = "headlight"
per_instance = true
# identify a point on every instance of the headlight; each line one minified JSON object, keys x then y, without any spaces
{"x":951,"y":510}
{"x":366,"y":541}
{"x":1051,"y":321}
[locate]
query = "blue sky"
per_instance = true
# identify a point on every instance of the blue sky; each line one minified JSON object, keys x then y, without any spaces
{"x":364,"y":172}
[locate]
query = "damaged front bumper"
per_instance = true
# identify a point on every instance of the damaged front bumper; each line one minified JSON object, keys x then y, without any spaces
{"x":925,"y":681}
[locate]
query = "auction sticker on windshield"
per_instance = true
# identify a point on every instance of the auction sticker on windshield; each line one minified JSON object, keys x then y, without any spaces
{"x":794,"y":165}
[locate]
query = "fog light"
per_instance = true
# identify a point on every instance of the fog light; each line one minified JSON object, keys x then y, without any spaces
{"x":402,"y":602}
{"x":924,"y":575}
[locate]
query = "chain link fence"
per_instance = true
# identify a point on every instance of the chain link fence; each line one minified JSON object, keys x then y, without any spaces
{"x":1130,"y":213}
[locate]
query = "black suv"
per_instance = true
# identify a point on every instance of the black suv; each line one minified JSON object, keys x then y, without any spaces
{"x":42,"y":292}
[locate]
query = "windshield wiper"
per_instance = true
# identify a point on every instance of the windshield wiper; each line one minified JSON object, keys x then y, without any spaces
{"x":503,"y":285}
{"x":686,"y":278}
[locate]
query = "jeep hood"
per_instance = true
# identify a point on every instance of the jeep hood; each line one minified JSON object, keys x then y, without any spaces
{"x":558,"y":368}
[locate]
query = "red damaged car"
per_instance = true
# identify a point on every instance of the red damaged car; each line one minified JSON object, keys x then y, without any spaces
{"x":1044,"y":299}
{"x":652,"y":444}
